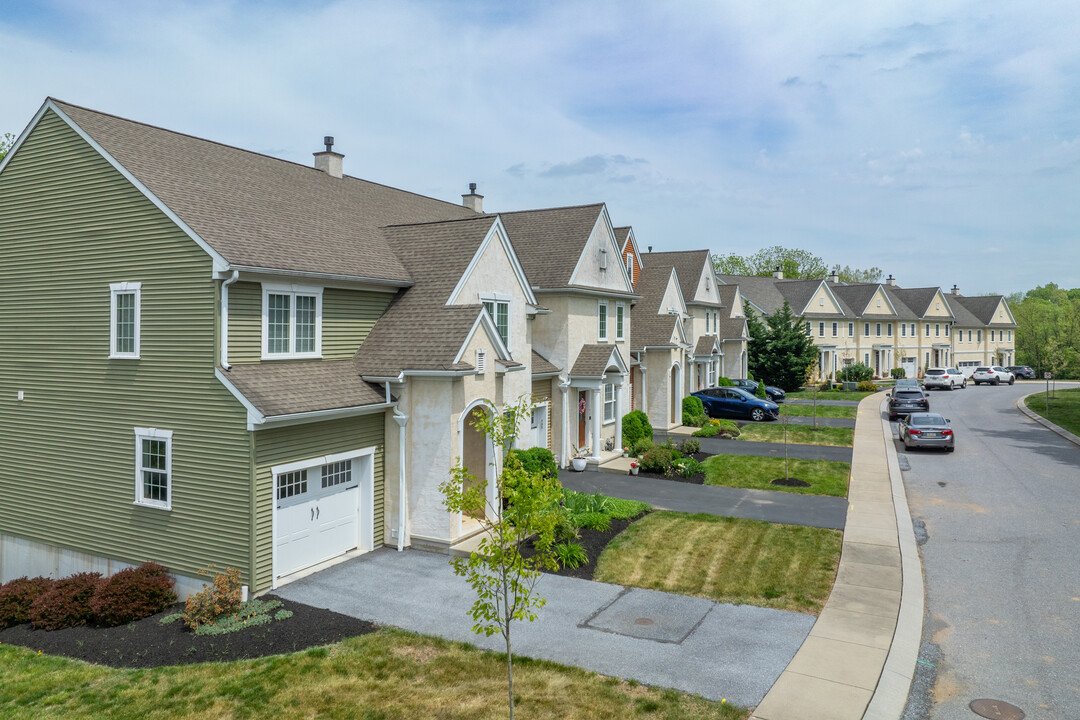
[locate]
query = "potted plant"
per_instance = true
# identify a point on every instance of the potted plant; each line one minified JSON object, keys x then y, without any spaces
{"x":626,"y":451}
{"x":634,"y":468}
{"x":578,"y":458}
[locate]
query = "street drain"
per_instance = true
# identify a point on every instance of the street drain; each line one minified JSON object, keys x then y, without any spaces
{"x":643,"y":621}
{"x":996,"y":710}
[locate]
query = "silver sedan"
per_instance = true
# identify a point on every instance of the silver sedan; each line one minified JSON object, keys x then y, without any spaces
{"x":927,"y":430}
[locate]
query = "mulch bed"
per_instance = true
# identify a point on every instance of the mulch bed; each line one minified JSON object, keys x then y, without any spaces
{"x":789,"y":482}
{"x":148,"y":643}
{"x":696,"y":479}
{"x":593,"y":542}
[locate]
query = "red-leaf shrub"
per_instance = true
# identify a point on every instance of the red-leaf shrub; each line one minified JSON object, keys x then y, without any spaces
{"x":132,"y":594}
{"x":66,"y":604}
{"x":16,"y":597}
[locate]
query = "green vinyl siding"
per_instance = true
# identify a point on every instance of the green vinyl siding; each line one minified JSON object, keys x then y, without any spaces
{"x":276,"y":446}
{"x":70,"y":225}
{"x":348,"y":316}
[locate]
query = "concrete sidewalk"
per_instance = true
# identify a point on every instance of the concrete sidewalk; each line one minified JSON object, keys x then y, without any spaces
{"x":688,"y":643}
{"x":859,"y":659}
{"x":769,"y":505}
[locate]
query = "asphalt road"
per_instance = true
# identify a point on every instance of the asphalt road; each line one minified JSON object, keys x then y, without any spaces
{"x":1001,"y":558}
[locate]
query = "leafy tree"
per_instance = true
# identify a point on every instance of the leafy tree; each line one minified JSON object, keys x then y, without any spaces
{"x":795,"y":264}
{"x":5,"y":144}
{"x":526,"y":506}
{"x":787,"y":352}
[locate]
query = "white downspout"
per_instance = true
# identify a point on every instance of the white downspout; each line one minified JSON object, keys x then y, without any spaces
{"x":401,"y":419}
{"x":564,"y":453}
{"x":225,"y":318}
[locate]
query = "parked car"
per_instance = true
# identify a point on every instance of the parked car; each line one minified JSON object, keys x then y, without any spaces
{"x":992,"y":374}
{"x":908,"y":382}
{"x":947,"y":378}
{"x":904,"y":401}
{"x":1022,"y":372}
{"x":927,"y":430}
{"x":773,"y":393}
{"x":736,"y":402}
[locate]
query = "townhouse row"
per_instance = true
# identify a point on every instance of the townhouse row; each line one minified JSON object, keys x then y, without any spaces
{"x":212,"y":356}
{"x":885,"y":326}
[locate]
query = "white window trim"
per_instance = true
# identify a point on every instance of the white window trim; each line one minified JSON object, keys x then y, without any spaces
{"x":620,"y":308}
{"x":836,"y":329}
{"x":496,"y":299}
{"x":615,"y":389}
{"x":153,"y":434}
{"x":123,"y":288}
{"x":602,"y":329}
{"x":851,"y":329}
{"x":291,"y":290}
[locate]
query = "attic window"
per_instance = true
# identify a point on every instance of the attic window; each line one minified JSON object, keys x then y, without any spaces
{"x":821,"y":301}
{"x":481,"y":362}
{"x":879,"y":302}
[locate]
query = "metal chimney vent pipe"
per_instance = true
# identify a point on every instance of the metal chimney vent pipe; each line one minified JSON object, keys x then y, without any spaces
{"x":328,"y":141}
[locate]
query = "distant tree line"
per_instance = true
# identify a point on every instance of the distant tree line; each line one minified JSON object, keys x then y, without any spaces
{"x":1048,"y":329}
{"x":795,"y":264}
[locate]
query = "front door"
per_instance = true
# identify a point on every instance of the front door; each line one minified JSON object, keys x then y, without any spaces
{"x":539,"y":425}
{"x":582,"y":408}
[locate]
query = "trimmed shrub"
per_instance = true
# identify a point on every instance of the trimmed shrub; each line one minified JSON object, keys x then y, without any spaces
{"x":215,"y":601}
{"x":898,"y":373}
{"x":855,"y":373}
{"x":688,"y":467}
{"x":17,"y":596}
{"x":640,"y":447}
{"x":537,"y":461}
{"x":693,"y":411}
{"x":66,"y":604}
{"x":707,"y":431}
{"x":658,"y":459}
{"x":636,"y":426}
{"x":132,"y":594}
{"x":724,"y":382}
{"x":867,"y":386}
{"x":690,"y":446}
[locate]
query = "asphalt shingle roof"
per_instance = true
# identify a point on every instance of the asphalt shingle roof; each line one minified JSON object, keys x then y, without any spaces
{"x":288,"y":387}
{"x":592,"y":360}
{"x":419,"y":331}
{"x":917,"y":299}
{"x":261,"y":212}
{"x":732,"y":328}
{"x":981,"y":307}
{"x":541,"y":365}
{"x":549,"y":242}
{"x":688,"y":265}
{"x":648,"y":326}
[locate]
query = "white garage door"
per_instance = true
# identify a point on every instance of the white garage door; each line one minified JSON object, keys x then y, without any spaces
{"x":323,"y":509}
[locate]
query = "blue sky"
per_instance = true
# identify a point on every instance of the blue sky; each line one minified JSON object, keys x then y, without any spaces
{"x":939,"y":141}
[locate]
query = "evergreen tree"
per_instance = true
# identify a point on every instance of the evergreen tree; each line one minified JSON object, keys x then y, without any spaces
{"x":787,"y":352}
{"x":759,"y":334}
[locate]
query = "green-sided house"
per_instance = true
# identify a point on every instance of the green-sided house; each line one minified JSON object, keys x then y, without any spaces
{"x":180,"y":378}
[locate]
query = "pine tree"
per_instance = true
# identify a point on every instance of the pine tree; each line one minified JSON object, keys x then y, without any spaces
{"x":787,"y":352}
{"x":756,"y":346}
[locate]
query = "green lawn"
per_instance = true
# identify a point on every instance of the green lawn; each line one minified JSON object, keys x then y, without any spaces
{"x":1064,"y":408}
{"x":725,"y":559}
{"x":825,"y":477}
{"x":829,"y":395}
{"x":829,"y":411}
{"x":798,"y":434}
{"x":386,"y":675}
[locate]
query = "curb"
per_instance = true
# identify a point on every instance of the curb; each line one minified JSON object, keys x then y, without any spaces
{"x":891,"y":695}
{"x":1022,"y":407}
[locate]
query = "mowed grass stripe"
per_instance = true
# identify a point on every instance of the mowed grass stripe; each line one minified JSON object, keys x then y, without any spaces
{"x":797,"y":434}
{"x":823,"y":411}
{"x":731,"y":560}
{"x":826,"y":477}
{"x":389,"y":675}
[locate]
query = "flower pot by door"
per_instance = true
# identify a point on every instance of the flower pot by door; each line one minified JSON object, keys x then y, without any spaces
{"x":633,"y":471}
{"x":578,"y":464}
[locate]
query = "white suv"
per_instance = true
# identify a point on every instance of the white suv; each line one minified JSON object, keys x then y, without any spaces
{"x":994,"y":375}
{"x":947,"y":378}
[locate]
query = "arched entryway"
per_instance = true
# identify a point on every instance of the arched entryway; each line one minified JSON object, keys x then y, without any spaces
{"x":476,"y":450}
{"x":675,"y":389}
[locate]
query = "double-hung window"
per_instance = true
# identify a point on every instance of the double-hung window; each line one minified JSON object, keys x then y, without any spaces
{"x":821,"y":329}
{"x":125,"y":306}
{"x":877,"y":329}
{"x":947,"y":331}
{"x":601,"y":331}
{"x":609,"y":403}
{"x":291,"y":322}
{"x":913,"y":333}
{"x":620,"y":320}
{"x":809,"y":328}
{"x":888,"y":329}
{"x":499,"y":310}
{"x":866,"y":329}
{"x":937,"y":329}
{"x":835,"y":329}
{"x":851,"y":329}
{"x":153,"y":467}
{"x":978,"y":336}
{"x":903,"y":329}
{"x":927,"y":326}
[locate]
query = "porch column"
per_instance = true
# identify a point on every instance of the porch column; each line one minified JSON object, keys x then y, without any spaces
{"x":618,"y":416}
{"x":644,"y":394}
{"x":564,"y":432}
{"x":597,"y":419}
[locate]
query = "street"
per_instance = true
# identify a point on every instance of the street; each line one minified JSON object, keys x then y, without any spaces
{"x":1001,"y":558}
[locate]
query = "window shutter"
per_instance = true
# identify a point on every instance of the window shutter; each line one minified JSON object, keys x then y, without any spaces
{"x":481,"y":361}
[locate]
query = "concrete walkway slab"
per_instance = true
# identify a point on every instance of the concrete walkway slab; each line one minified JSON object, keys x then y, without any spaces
{"x":712,"y":649}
